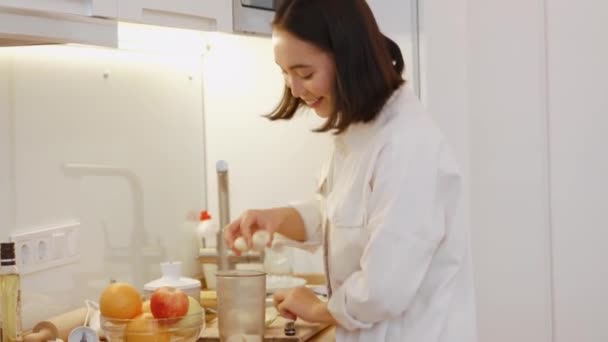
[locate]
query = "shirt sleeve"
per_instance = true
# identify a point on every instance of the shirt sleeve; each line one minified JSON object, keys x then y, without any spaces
{"x":310,"y":213}
{"x":406,"y":224}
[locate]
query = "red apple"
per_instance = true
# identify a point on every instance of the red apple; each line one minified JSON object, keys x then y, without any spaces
{"x":168,"y":302}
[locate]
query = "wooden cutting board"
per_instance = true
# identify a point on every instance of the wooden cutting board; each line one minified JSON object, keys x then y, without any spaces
{"x":274,"y":333}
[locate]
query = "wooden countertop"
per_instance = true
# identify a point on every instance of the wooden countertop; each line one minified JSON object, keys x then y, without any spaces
{"x":326,"y":335}
{"x":275,"y":332}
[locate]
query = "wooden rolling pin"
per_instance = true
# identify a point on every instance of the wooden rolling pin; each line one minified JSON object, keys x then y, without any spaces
{"x":57,"y":327}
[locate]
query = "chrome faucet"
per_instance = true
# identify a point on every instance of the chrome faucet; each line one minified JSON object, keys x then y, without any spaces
{"x":225,"y":259}
{"x":224,"y":207}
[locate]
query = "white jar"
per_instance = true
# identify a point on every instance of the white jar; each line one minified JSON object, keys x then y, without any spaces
{"x":171,"y":276}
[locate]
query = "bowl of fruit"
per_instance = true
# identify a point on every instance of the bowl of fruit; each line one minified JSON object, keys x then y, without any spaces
{"x":168,"y":316}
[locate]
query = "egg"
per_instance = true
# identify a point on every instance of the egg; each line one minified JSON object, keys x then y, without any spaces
{"x":260,"y":240}
{"x":240,"y":244}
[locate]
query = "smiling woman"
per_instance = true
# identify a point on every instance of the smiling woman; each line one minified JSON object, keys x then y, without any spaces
{"x":309,"y":72}
{"x":396,"y":258}
{"x":326,"y":52}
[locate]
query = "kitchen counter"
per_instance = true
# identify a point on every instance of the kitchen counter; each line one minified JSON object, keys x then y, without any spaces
{"x":326,"y":335}
{"x":275,"y":332}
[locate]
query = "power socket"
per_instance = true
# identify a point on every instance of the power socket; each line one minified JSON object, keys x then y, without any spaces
{"x":47,"y":248}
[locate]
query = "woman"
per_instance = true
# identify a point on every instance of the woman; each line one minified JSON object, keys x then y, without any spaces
{"x":397,"y":264}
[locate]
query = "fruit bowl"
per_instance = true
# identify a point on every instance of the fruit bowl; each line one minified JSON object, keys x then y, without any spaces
{"x":146,"y":328}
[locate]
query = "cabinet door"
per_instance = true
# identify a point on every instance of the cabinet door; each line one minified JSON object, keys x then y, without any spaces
{"x":508,"y":171}
{"x":577,"y":55}
{"x":96,"y":8}
{"x":189,"y":14}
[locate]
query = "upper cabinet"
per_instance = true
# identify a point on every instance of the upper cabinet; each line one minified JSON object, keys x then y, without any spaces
{"x":89,"y":8}
{"x":205,"y":15}
{"x":31,"y":22}
{"x":95,"y":22}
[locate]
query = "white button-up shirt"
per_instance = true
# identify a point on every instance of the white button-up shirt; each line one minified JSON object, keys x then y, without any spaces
{"x":397,"y":261}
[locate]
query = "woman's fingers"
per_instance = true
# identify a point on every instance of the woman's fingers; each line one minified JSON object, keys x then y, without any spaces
{"x":249,"y":220}
{"x":284,"y":312}
{"x":231,"y":232}
{"x":281,"y":303}
{"x":278,"y":297}
{"x":245,"y":226}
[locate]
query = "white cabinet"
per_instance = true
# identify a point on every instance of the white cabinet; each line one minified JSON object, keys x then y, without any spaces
{"x":537,"y":99}
{"x":577,"y":55}
{"x":95,"y":22}
{"x":96,"y":8}
{"x":204,"y":15}
{"x":508,"y":178}
{"x":207,"y":15}
{"x":58,"y":22}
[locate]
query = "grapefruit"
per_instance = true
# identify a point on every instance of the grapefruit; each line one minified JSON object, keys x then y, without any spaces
{"x":120,"y":301}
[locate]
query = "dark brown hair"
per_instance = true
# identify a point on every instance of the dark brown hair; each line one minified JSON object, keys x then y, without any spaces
{"x":368,"y":64}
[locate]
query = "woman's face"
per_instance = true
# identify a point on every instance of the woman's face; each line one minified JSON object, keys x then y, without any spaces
{"x":309,"y":72}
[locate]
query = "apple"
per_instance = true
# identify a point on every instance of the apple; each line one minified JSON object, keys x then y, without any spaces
{"x":192,"y":321}
{"x":168,"y":302}
{"x":194,"y":307}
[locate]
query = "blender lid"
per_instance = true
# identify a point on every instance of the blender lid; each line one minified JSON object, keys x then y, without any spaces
{"x":171,"y":276}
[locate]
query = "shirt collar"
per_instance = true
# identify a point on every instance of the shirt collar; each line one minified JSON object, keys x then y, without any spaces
{"x":358,"y":134}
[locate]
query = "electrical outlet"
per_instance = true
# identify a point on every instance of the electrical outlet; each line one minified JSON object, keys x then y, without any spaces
{"x":47,"y":248}
{"x":25,"y":252}
{"x":43,"y":249}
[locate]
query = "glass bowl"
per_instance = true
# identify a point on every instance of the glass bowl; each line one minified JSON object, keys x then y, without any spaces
{"x":146,"y":328}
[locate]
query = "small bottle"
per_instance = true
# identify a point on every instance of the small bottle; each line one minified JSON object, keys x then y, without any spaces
{"x":207,"y":230}
{"x":10,"y":291}
{"x":207,"y":235}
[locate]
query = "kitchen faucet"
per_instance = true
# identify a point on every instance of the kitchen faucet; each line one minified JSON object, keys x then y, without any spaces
{"x":135,"y":253}
{"x":226,"y":260}
{"x":224,"y":207}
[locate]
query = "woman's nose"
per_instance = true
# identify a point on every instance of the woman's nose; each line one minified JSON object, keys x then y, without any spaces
{"x":296,"y":88}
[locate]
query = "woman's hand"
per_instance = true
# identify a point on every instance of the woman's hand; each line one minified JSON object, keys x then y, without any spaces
{"x":250,"y":222}
{"x":301,"y":302}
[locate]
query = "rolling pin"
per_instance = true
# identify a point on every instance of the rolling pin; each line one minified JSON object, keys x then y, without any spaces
{"x":57,"y":327}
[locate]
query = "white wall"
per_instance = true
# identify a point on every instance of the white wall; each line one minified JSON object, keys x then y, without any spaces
{"x":146,"y":117}
{"x":7,"y":200}
{"x":577,"y":35}
{"x":397,"y":20}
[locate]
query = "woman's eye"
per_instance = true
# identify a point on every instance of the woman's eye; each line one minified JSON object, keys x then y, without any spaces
{"x":306,"y":77}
